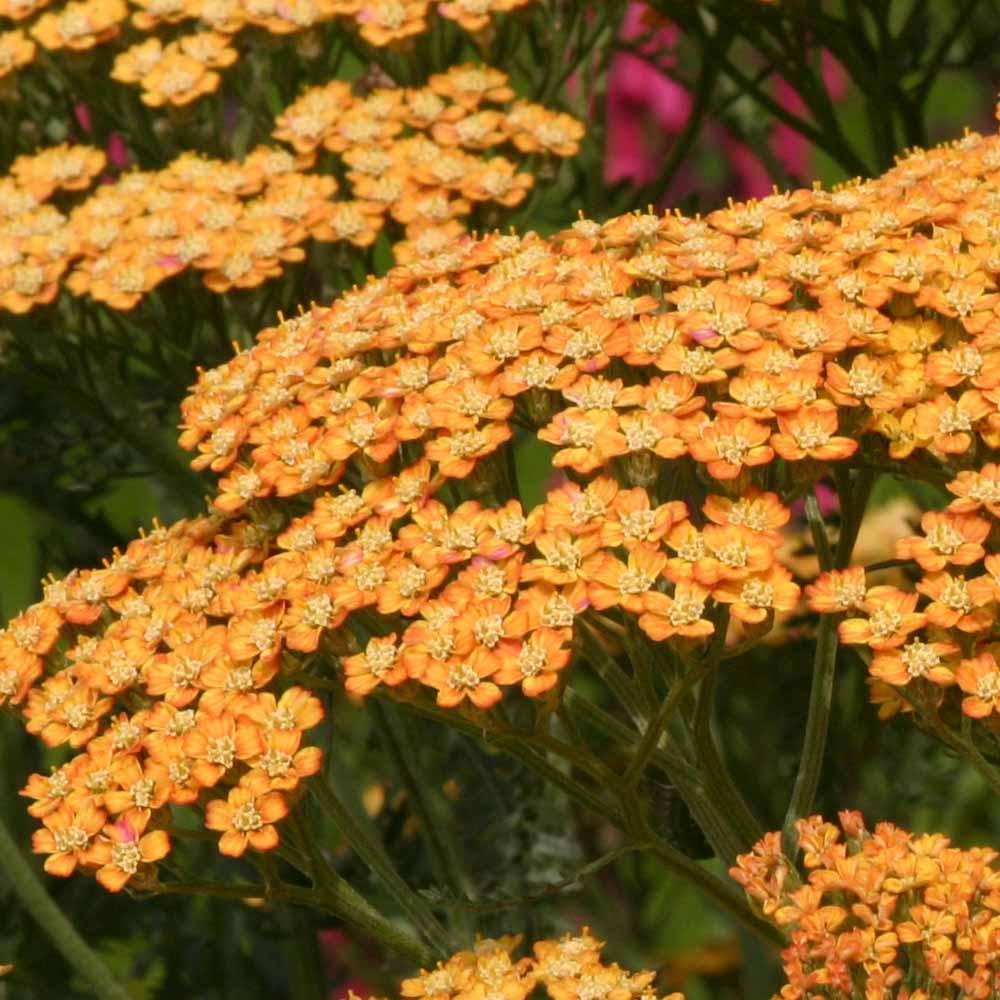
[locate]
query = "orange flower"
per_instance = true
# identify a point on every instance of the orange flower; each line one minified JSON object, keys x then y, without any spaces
{"x":957,"y":602}
{"x":933,"y":660}
{"x":177,"y":79}
{"x":810,"y":432}
{"x":457,"y":454}
{"x":67,"y":837}
{"x":246,"y":817}
{"x":612,"y":583}
{"x":124,"y":849}
{"x":633,"y":521}
{"x":838,"y":590}
{"x":948,"y":538}
{"x":682,"y":614}
{"x":586,"y":439}
{"x":384,"y":22}
{"x":753,"y":598}
{"x":216,"y":743}
{"x":732,"y":552}
{"x":976,"y":490}
{"x":378,"y":664}
{"x":946,"y":423}
{"x":80,"y":25}
{"x":761,"y":512}
{"x":498,"y":181}
{"x":727,"y":445}
{"x":469,"y":84}
{"x":284,"y":763}
{"x":536,"y":664}
{"x":466,"y":677}
{"x":16,"y":50}
{"x":890,"y":619}
{"x":979,"y":678}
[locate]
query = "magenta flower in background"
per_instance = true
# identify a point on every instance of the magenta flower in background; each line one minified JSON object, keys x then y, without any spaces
{"x":646,"y":110}
{"x":117,"y":151}
{"x":82,"y":114}
{"x":643,"y":104}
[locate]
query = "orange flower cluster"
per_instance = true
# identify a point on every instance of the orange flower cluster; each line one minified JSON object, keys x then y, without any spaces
{"x":129,"y":236}
{"x":759,"y":344}
{"x":166,"y":706}
{"x":177,"y":73}
{"x":35,"y":248}
{"x":185,"y":69}
{"x":241,"y":223}
{"x":395,"y":22}
{"x":654,"y":355}
{"x":418,"y":154}
{"x":882,"y":915}
{"x":941,"y":634}
{"x":16,"y":50}
{"x":569,"y":968}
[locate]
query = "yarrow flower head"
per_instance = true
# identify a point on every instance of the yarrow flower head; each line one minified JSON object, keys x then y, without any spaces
{"x":874,"y":906}
{"x":369,"y":518}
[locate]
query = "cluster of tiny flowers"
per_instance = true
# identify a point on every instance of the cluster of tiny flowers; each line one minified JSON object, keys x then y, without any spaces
{"x":569,"y":968}
{"x":883,"y":915}
{"x":941,"y":634}
{"x":759,"y":344}
{"x":166,"y":706}
{"x":186,"y":68}
{"x":367,"y":502}
{"x":36,"y":247}
{"x":418,"y":155}
{"x":236,"y":222}
{"x":240,"y":223}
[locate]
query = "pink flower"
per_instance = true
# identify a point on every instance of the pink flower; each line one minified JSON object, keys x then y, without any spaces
{"x":82,"y":113}
{"x":118,"y":152}
{"x":643,"y":103}
{"x":646,"y":110}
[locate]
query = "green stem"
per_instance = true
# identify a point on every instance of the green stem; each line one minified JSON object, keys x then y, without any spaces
{"x":618,"y":733}
{"x":519,"y":746}
{"x":819,"y":536}
{"x":817,"y":725}
{"x":374,"y":855}
{"x":33,"y":897}
{"x":981,"y":764}
{"x":446,"y":862}
{"x":728,"y":830}
{"x":656,"y":727}
{"x":608,"y":669}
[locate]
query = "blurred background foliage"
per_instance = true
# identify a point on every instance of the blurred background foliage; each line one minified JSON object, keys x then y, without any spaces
{"x":687,"y":104}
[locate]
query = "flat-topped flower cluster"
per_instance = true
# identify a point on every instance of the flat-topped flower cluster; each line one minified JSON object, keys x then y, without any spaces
{"x":882,"y":914}
{"x":569,"y":968}
{"x":690,"y":376}
{"x":206,"y":35}
{"x":417,"y":160}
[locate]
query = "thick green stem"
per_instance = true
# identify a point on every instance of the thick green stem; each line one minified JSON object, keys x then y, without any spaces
{"x":33,"y":897}
{"x":728,"y":830}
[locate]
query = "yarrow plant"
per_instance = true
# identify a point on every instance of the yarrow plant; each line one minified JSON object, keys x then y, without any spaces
{"x":531,"y":497}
